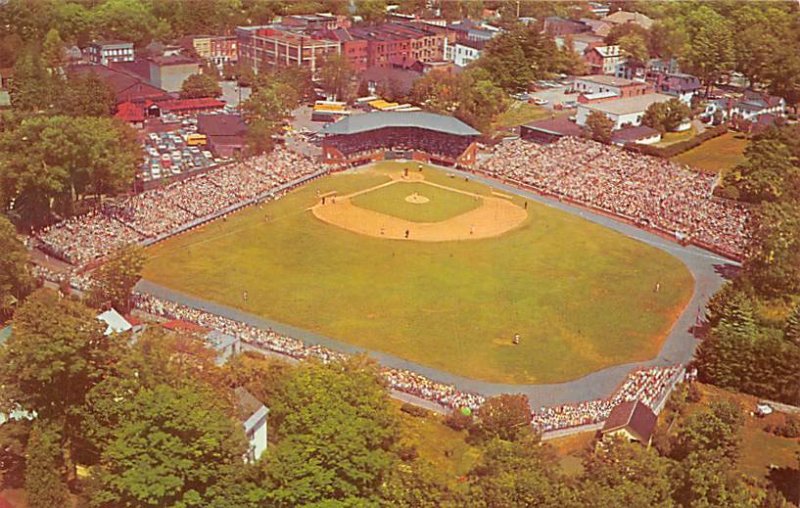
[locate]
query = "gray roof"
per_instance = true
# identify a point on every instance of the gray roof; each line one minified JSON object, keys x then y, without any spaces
{"x":628,"y":105}
{"x":379,"y":120}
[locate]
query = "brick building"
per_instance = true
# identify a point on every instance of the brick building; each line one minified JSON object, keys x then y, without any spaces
{"x":269,"y":45}
{"x":219,"y":49}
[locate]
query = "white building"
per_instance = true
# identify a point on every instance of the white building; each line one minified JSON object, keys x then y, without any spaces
{"x":253,"y":415}
{"x":465,"y":52}
{"x":623,"y":112}
{"x":105,"y":52}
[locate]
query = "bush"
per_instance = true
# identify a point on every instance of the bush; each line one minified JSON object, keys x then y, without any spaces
{"x":458,"y":420}
{"x":790,"y":429}
{"x":667,"y":152}
{"x":407,"y":453}
{"x":413,"y":410}
{"x":693,"y":393}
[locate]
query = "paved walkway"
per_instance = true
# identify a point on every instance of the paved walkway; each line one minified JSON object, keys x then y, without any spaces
{"x":707,"y":269}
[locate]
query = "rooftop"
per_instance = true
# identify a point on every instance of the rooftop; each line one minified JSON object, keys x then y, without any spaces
{"x":379,"y":120}
{"x":628,"y":105}
{"x":602,"y":79}
{"x":630,"y":134}
{"x":221,"y":125}
{"x":560,"y":126}
{"x":633,"y":415}
{"x":164,"y":61}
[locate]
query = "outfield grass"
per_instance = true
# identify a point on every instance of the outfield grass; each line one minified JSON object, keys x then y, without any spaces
{"x":391,"y":200}
{"x":581,"y":296}
{"x":719,"y":154}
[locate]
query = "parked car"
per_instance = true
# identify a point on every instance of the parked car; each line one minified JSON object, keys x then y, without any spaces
{"x":539,"y":101}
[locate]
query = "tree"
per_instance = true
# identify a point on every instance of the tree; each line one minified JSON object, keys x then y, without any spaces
{"x":15,"y":279}
{"x":506,"y":417}
{"x":516,"y":57}
{"x":31,"y":89}
{"x":64,"y":159}
{"x":634,"y":47}
{"x":113,"y":281}
{"x":713,"y":430}
{"x":438,"y":91}
{"x":53,"y":52}
{"x":516,"y":474}
{"x":86,"y":95}
{"x":705,"y":479}
{"x":335,"y":434}
{"x":623,"y":473}
{"x":417,"y":485}
{"x":176,"y":445}
{"x":768,"y":167}
{"x":666,"y":116}
{"x":599,"y":127}
{"x":708,"y":52}
{"x":371,"y":11}
{"x":200,"y":85}
{"x":791,"y":330}
{"x":56,"y":353}
{"x":335,"y":75}
{"x":128,"y":20}
{"x":43,"y":479}
{"x":774,"y":261}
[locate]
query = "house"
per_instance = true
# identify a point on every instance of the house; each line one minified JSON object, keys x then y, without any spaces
{"x":580,"y":42}
{"x":599,"y":9}
{"x":623,"y":112}
{"x":603,"y":59}
{"x":127,"y":87}
{"x":619,"y":87}
{"x":556,"y":26}
{"x":679,"y":85}
{"x":105,"y":52}
{"x":169,"y":72}
{"x":623,"y":18}
{"x":226,"y":346}
{"x":218,"y":49}
{"x":598,"y":26}
{"x":641,"y":135}
{"x":632,"y":420}
{"x":747,"y":108}
{"x":253,"y":416}
{"x":226,"y":133}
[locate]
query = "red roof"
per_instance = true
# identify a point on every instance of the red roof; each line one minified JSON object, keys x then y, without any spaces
{"x":177,"y":105}
{"x":129,"y":112}
{"x":178,"y":325}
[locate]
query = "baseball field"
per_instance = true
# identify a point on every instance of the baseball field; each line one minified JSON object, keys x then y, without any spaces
{"x":439,"y":270}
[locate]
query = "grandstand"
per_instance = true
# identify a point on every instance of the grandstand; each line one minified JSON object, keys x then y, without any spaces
{"x":425,"y":137}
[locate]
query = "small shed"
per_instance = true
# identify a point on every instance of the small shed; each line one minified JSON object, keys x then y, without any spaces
{"x":633,"y":420}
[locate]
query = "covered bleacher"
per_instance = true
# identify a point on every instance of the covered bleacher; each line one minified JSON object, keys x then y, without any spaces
{"x":421,"y":136}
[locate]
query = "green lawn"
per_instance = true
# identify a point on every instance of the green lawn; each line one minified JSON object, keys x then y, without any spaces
{"x":718,"y":154}
{"x":670,"y":138}
{"x":580,"y":295}
{"x":391,"y":200}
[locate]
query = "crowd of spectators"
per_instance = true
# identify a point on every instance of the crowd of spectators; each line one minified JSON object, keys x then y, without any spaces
{"x":401,"y":139}
{"x":651,"y":192}
{"x":80,"y":240}
{"x":647,"y":385}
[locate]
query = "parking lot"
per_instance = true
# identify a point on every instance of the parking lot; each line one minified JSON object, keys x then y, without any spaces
{"x":169,"y":153}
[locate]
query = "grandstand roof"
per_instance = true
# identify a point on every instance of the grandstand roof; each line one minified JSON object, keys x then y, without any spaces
{"x":380,"y":120}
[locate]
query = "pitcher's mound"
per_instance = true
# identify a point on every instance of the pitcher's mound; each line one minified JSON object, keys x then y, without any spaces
{"x":416,"y":199}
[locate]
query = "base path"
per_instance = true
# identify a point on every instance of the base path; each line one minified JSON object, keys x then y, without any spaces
{"x":495,"y":216}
